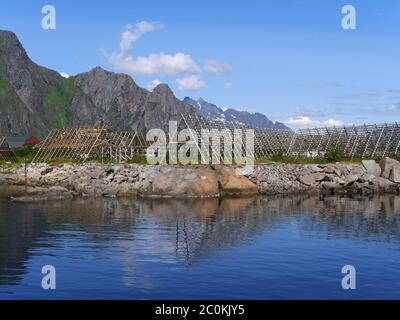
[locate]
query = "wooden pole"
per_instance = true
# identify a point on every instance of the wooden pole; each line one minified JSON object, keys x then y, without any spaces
{"x":26,"y":176}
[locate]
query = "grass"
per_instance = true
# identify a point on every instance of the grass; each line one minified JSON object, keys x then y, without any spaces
{"x":138,"y":160}
{"x":24,"y":154}
{"x":6,"y":164}
{"x":330,"y":157}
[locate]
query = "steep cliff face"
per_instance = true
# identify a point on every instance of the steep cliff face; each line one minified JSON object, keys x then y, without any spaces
{"x":32,"y":98}
{"x":115,"y":101}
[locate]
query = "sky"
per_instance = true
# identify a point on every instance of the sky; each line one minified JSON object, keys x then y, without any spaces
{"x":289,"y":59}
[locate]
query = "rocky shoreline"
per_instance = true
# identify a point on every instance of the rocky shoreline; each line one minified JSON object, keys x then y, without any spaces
{"x":53,"y":182}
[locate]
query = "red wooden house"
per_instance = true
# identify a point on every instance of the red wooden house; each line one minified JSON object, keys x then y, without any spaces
{"x":31,"y":141}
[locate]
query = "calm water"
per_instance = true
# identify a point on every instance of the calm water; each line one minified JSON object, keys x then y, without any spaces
{"x":258,"y":248}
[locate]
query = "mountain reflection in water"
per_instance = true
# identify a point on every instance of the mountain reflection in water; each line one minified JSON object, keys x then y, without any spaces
{"x":155,"y":248}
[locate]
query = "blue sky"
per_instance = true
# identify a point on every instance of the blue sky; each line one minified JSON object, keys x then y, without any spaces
{"x":288,"y":59}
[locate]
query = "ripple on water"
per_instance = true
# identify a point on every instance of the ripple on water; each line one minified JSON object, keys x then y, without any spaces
{"x":259,"y":248}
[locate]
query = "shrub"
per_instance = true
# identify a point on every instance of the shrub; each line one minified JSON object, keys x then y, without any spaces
{"x":335,"y":156}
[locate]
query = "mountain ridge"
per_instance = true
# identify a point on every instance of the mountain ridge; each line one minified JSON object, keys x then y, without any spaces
{"x":254,"y":120}
{"x":35,"y":99}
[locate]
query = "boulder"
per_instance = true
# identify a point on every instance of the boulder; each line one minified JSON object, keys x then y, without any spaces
{"x":330,"y":186}
{"x":320,"y":176}
{"x":328,"y":169}
{"x":311,"y":179}
{"x":387,"y":164}
{"x":395,"y":174}
{"x":315,"y":168}
{"x":372,"y":167}
{"x":307,"y":179}
{"x":184,"y":182}
{"x":370,"y":178}
{"x":362,"y":186}
{"x":230,"y":183}
{"x":119,"y":178}
{"x":385,"y":185}
{"x":356,"y":169}
{"x":350,"y":179}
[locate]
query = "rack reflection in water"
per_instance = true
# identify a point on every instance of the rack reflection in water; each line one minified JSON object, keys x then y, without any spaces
{"x":262,"y":247}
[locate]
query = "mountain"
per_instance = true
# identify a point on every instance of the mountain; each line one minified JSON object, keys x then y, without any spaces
{"x":212,"y":112}
{"x":34,"y":99}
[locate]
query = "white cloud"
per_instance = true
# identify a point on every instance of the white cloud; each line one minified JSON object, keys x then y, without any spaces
{"x":153,"y":84}
{"x":216,"y":67}
{"x":228,"y":85}
{"x":159,"y":63}
{"x":156,"y":63}
{"x":192,"y":82}
{"x":307,"y":122}
{"x":130,"y":34}
{"x":64,"y":75}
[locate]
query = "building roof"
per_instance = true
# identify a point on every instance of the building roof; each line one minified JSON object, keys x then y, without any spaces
{"x":18,"y":141}
{"x":32,"y":141}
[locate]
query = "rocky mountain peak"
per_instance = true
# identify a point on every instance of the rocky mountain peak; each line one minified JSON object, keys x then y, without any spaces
{"x":163,"y":89}
{"x":211,"y":112}
{"x":8,"y":41}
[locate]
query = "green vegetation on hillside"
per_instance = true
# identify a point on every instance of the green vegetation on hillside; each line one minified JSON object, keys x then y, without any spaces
{"x":152,"y":105}
{"x":59,"y":97}
{"x":3,"y":84}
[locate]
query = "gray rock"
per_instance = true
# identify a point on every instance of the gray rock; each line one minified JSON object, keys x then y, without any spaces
{"x":308,"y":179}
{"x":330,"y":185}
{"x":350,"y":179}
{"x":315,"y":168}
{"x":385,"y":185}
{"x":119,"y":178}
{"x":395,"y":174}
{"x":372,"y":167}
{"x":369,"y":178}
{"x":387,"y":164}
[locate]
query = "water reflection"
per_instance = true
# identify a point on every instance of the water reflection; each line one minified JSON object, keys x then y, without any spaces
{"x":180,"y":233}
